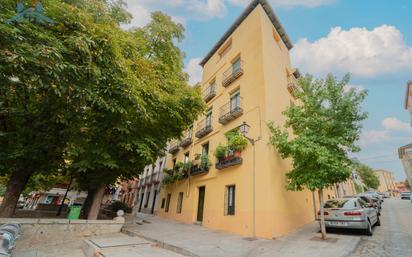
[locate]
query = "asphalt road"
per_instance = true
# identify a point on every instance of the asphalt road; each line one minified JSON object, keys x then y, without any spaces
{"x":394,"y":236}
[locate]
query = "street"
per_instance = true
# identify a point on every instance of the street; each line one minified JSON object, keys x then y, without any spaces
{"x":394,"y":236}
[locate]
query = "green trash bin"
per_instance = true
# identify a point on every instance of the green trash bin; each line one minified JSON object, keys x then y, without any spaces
{"x":74,"y":212}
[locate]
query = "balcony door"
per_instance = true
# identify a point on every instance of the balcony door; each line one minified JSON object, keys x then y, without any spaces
{"x":236,"y":66}
{"x":208,"y":121}
{"x":235,"y":101}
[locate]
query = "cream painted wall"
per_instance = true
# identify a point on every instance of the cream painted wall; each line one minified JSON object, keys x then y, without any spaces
{"x":263,"y":88}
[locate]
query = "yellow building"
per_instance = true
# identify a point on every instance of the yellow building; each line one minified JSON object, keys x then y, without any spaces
{"x":247,"y":77}
{"x":387,"y":182}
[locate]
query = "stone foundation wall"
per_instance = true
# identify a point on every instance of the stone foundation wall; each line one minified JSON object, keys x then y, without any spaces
{"x":57,"y":231}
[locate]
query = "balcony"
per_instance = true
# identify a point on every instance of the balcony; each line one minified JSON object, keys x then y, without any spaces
{"x":229,"y":112}
{"x":292,"y":85}
{"x":204,"y":127}
{"x":231,"y":74}
{"x":174,"y":147}
{"x":228,"y":162}
{"x":209,"y":93}
{"x":187,"y":139}
{"x":198,"y":170}
{"x":155,"y":178}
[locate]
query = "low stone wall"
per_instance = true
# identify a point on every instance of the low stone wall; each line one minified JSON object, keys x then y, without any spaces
{"x":57,"y":231}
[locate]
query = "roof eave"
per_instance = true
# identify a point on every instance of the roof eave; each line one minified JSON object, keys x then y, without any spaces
{"x":272,"y":16}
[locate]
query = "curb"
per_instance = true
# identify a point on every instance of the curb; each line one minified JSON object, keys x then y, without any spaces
{"x":173,"y":248}
{"x":353,"y":248}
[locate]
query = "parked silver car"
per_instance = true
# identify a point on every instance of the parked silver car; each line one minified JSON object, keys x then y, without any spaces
{"x":351,"y":213}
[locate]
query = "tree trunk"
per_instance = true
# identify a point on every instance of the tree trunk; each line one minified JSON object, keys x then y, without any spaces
{"x":64,"y":197}
{"x":96,"y":203}
{"x":322,"y":215}
{"x":15,"y":187}
{"x":88,"y":202}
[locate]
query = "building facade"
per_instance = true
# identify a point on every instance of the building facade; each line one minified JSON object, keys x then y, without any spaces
{"x":408,"y":98}
{"x":148,"y":187}
{"x":387,"y":182}
{"x":405,"y":155}
{"x":247,"y":82}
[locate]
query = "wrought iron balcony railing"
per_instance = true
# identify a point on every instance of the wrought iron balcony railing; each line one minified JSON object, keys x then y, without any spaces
{"x":231,"y":74}
{"x":209,"y":93}
{"x":204,"y":127}
{"x":228,"y":162}
{"x":173,"y":146}
{"x":230,"y":111}
{"x":187,"y":138}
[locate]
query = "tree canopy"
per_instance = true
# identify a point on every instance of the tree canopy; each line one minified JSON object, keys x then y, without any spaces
{"x":368,"y":176}
{"x":86,"y":95}
{"x":324,"y":127}
{"x":320,"y":131}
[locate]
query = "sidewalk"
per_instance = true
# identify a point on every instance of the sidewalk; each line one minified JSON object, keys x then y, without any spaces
{"x":196,"y":241}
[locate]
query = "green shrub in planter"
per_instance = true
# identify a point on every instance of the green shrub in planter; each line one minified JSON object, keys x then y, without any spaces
{"x":220,"y":151}
{"x":204,"y":162}
{"x":237,"y":142}
{"x":117,"y":205}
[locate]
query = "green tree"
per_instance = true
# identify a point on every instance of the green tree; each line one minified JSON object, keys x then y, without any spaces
{"x":326,"y":124}
{"x":86,"y":94}
{"x":369,"y":178}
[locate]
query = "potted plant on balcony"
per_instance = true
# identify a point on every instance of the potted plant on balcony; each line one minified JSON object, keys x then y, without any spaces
{"x":220,"y":152}
{"x":237,"y":143}
{"x":204,"y":162}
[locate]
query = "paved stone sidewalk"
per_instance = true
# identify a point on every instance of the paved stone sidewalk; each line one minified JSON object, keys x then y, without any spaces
{"x":196,"y":241}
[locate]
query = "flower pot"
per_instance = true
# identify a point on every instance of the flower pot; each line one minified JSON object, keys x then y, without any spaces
{"x":238,"y":154}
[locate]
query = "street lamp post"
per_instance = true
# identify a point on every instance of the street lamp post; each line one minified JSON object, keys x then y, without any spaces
{"x":244,"y":129}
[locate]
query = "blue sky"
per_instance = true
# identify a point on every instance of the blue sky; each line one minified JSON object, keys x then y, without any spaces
{"x":371,"y":39}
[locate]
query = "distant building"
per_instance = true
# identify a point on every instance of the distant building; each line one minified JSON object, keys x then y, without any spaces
{"x":401,"y":187}
{"x":126,"y":192}
{"x":148,"y":187}
{"x":405,"y":154}
{"x":408,"y":98}
{"x":54,"y":197}
{"x":387,"y":182}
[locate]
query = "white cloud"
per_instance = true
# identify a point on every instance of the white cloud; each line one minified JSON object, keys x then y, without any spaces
{"x":360,"y":51}
{"x":374,"y":136}
{"x":392,"y":123}
{"x":179,"y":10}
{"x":194,"y":70}
{"x":357,"y":88}
{"x":141,"y":15}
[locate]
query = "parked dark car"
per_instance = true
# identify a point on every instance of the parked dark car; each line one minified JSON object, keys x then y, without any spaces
{"x":406,"y":195}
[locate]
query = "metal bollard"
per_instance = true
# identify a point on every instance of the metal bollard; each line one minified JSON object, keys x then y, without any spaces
{"x":9,"y":233}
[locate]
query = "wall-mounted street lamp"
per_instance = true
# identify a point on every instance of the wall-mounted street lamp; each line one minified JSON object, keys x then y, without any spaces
{"x":244,"y":129}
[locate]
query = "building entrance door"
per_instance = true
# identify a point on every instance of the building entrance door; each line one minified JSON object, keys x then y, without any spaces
{"x":201,"y":203}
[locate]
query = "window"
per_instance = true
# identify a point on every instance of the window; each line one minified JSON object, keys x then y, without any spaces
{"x":174,"y":163}
{"x":230,"y":200}
{"x":186,"y":158}
{"x":179,"y":203}
{"x":205,"y":149}
{"x":160,"y":165}
{"x":168,"y":202}
{"x":225,"y":48}
{"x":163,"y":203}
{"x":236,"y":65}
{"x":147,"y":200}
{"x":209,"y":118}
{"x":235,"y":101}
